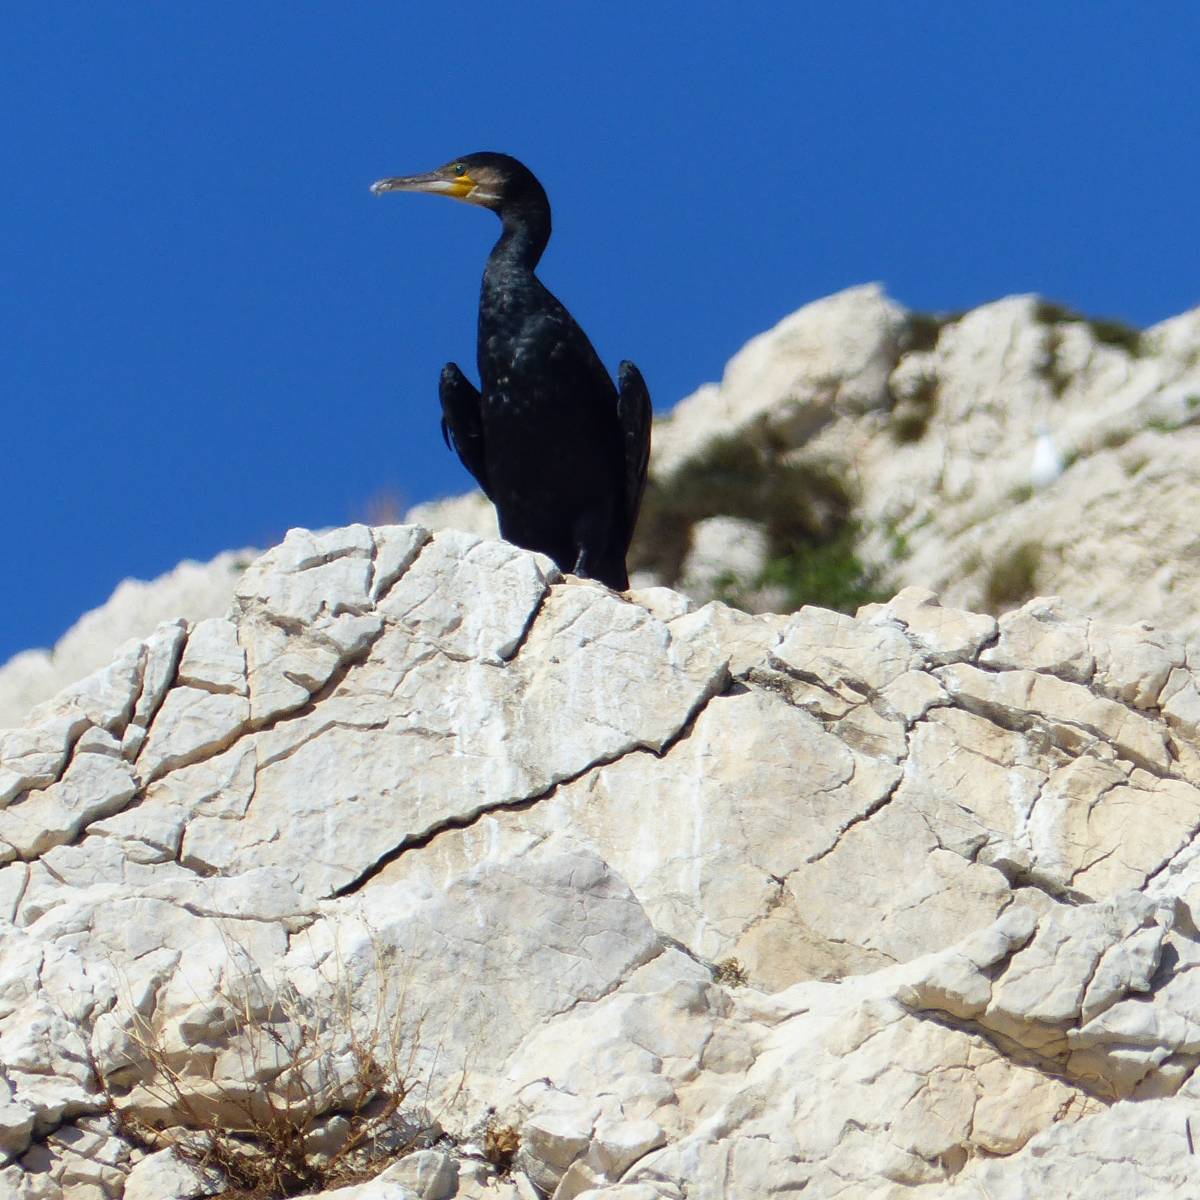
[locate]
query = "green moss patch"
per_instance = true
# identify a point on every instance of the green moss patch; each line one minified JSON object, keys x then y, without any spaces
{"x":1012,"y":578}
{"x":805,"y":510}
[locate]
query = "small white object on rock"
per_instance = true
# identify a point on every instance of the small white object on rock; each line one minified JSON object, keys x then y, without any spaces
{"x":1047,"y":463}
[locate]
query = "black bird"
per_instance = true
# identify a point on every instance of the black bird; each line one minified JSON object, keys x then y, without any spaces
{"x":557,"y":449}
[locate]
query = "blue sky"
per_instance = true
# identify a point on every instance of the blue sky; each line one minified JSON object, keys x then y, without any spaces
{"x":212,"y":332}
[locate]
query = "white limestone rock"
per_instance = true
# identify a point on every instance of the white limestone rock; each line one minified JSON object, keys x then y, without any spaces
{"x":34,"y":756}
{"x":1070,"y":715}
{"x":1140,"y":1149}
{"x":460,"y":566}
{"x":396,"y":548}
{"x":311,"y":574}
{"x":93,"y":786}
{"x":163,"y":648}
{"x":1071,"y":994}
{"x":1109,"y":534}
{"x":82,"y":1161}
{"x":426,"y":734}
{"x":105,"y":698}
{"x":428,"y":1174}
{"x":16,"y":1122}
{"x":164,"y":1176}
{"x":425,"y":1175}
{"x":47,"y":995}
{"x":896,"y":903}
{"x":724,"y":553}
{"x":833,"y":355}
{"x":191,"y":590}
{"x":212,"y":659}
{"x":314,"y":585}
{"x":616,"y":1144}
{"x":555,"y":1137}
{"x":942,"y":635}
{"x":193,"y":723}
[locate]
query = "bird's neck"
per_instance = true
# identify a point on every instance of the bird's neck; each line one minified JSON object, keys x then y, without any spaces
{"x":524,"y":236}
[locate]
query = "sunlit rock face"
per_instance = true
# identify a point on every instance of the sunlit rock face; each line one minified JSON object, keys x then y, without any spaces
{"x":192,"y":590}
{"x":677,"y":900}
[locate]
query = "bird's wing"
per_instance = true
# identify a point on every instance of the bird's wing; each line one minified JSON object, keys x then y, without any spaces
{"x":462,"y":423}
{"x":634,"y":416}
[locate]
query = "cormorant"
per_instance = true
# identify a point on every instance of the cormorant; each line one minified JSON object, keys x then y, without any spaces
{"x":554,"y":445}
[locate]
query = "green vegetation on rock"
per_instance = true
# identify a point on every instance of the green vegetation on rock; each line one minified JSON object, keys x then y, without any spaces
{"x":1106,"y":330}
{"x":923,"y":329}
{"x":805,"y":509}
{"x":911,"y":416}
{"x":1012,"y":578}
{"x":829,"y":575}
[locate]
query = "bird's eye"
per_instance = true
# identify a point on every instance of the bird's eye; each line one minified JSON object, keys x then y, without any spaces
{"x":459,"y":169}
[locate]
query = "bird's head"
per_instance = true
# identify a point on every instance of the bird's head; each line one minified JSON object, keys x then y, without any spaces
{"x":491,"y":180}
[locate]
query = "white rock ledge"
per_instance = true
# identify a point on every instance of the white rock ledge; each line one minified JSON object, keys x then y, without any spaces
{"x":423,"y":784}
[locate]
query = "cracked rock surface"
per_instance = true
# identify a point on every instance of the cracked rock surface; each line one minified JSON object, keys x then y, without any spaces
{"x":193,"y":590}
{"x":700,"y":904}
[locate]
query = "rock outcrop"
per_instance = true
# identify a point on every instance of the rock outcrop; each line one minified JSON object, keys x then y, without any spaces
{"x":638,"y":899}
{"x":191,"y":590}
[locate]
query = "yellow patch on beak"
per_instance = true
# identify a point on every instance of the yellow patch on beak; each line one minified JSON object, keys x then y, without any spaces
{"x":462,"y":186}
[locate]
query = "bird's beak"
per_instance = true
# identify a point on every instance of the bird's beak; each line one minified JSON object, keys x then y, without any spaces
{"x":460,"y":187}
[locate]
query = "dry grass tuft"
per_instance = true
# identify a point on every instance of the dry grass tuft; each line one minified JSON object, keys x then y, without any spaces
{"x":731,"y":973}
{"x":500,"y":1145}
{"x":315,"y":1101}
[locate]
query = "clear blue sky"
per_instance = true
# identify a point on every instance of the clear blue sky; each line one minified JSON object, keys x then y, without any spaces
{"x":212,"y":332}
